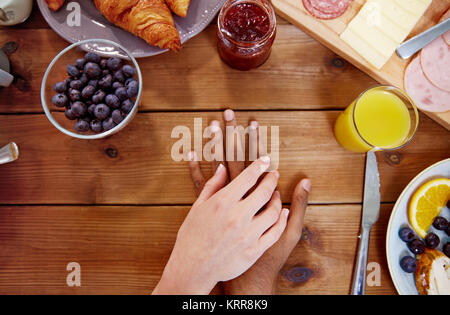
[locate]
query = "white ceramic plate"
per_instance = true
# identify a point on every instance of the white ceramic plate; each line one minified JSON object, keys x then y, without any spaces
{"x":94,"y":25}
{"x":396,"y":249}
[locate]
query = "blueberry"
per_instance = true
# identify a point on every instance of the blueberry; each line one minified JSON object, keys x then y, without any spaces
{"x":416,"y":246}
{"x":104,"y":64}
{"x":127,"y":106}
{"x":112,"y":101}
{"x":114,"y":63}
{"x":105,"y":82}
{"x":91,"y":109}
{"x":76,"y":85}
{"x":60,"y":100}
{"x":101,"y":111}
{"x":446,"y":249}
{"x":98,"y":97}
{"x":74,"y":95}
{"x":82,"y":125}
{"x":129,"y":81}
{"x":408,"y":264}
{"x":132,"y":90}
{"x":121,"y":93}
{"x":73,"y":71}
{"x":116,"y":85}
{"x":96,"y":125}
{"x":60,"y":87}
{"x":119,"y":76}
{"x":69,"y":114}
{"x":448,"y":230}
{"x":88,"y":92}
{"x":128,"y":71}
{"x":105,"y":72}
{"x":78,"y":109}
{"x":406,"y":234}
{"x":440,"y":223}
{"x":108,"y":124}
{"x":80,"y":63}
{"x":84,"y":79}
{"x":92,"y":57}
{"x":432,"y":240}
{"x":92,"y":70}
{"x":117,"y":116}
{"x":93,"y":83}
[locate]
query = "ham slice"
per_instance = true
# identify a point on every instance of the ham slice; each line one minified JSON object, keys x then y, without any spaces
{"x":425,"y":95}
{"x":435,"y":61}
{"x":446,"y":35}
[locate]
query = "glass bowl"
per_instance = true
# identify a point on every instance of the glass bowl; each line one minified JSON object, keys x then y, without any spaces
{"x":56,"y":72}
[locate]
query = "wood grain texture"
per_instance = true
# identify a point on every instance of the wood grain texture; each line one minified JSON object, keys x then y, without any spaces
{"x":327,"y":32}
{"x":123,"y":250}
{"x":56,"y":169}
{"x":300,"y":74}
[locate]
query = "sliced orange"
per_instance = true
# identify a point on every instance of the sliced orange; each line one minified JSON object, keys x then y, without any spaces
{"x":426,"y":204}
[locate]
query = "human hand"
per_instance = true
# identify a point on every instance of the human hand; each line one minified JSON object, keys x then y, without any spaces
{"x":261,"y":277}
{"x":225,"y":233}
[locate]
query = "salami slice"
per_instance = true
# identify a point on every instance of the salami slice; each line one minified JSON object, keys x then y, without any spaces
{"x":308,"y":4}
{"x":435,"y":61}
{"x":425,"y":95}
{"x":331,"y":6}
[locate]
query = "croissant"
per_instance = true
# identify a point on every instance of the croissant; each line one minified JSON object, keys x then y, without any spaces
{"x":55,"y":5}
{"x":149,"y":19}
{"x":179,"y":7}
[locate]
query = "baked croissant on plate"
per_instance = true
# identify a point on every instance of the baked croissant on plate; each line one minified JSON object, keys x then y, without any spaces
{"x":55,"y":5}
{"x":179,"y":7}
{"x":149,"y":19}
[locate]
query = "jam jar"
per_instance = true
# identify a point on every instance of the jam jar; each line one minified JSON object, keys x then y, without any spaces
{"x":246,"y":30}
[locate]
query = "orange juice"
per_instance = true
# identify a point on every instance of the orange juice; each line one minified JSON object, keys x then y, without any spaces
{"x":379,"y":119}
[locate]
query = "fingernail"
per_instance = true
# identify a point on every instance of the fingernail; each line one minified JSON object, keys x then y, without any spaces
{"x":306,"y":184}
{"x":286,"y":212}
{"x":265,"y":159}
{"x":192,"y":156}
{"x":219,"y":168}
{"x":228,"y":115}
{"x":214,"y":126}
{"x":277,"y":175}
{"x":253,"y":125}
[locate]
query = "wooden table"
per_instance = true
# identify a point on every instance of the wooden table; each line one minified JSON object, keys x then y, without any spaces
{"x":115,"y":205}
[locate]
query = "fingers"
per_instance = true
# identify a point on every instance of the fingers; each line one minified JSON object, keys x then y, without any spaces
{"x":262,"y":193}
{"x":235,"y":167}
{"x":269,"y":216}
{"x":214,"y":184}
{"x":247,"y":179}
{"x":218,"y":156}
{"x":196,"y":173}
{"x":298,"y":206}
{"x":274,"y":233}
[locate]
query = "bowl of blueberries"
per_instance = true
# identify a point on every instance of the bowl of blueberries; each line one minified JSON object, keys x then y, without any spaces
{"x":91,"y":89}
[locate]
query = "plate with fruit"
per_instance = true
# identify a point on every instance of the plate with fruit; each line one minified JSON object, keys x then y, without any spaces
{"x":417,"y":241}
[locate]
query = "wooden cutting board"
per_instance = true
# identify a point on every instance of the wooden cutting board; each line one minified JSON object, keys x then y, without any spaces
{"x":327,"y":32}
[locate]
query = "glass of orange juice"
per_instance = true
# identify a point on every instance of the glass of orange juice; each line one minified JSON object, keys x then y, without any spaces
{"x":381,"y":118}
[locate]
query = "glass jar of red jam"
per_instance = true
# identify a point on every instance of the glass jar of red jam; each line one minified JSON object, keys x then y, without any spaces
{"x":246,"y":30}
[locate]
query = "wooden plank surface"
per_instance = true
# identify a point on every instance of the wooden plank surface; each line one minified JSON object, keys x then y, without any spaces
{"x":300,"y":74}
{"x":327,"y":32}
{"x":55,"y":169}
{"x":122,"y":250}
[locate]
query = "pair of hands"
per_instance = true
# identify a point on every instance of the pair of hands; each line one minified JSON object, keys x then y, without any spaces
{"x":232,"y":227}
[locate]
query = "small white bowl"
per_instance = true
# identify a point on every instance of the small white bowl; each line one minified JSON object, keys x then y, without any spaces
{"x":56,"y":72}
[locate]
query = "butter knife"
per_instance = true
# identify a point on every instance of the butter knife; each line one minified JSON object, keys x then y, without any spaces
{"x":370,"y":214}
{"x":410,"y":47}
{"x":9,"y":153}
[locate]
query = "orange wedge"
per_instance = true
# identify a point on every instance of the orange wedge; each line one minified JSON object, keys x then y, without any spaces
{"x":426,"y":204}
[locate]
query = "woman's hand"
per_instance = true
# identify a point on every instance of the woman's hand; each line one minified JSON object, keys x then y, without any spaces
{"x":224,"y":233}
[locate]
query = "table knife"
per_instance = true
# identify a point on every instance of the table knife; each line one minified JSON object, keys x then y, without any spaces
{"x":410,"y":47}
{"x":370,"y":214}
{"x":9,"y":153}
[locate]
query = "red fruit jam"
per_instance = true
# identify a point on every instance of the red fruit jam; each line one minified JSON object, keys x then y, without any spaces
{"x":246,"y":31}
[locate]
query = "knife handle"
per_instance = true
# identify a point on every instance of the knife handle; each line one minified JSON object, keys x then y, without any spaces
{"x":359,"y":276}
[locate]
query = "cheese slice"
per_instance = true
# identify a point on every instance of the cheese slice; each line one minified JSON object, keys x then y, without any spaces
{"x":364,"y":49}
{"x":381,"y":26}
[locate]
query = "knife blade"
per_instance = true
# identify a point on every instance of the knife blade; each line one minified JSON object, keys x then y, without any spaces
{"x":370,"y":215}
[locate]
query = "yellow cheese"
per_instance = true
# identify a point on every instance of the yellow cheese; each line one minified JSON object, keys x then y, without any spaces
{"x":364,"y":49}
{"x":415,"y":7}
{"x":372,"y":35}
{"x":397,"y":14}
